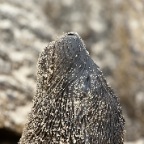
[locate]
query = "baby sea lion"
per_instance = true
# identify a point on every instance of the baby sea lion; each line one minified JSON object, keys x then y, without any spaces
{"x":73,"y":103}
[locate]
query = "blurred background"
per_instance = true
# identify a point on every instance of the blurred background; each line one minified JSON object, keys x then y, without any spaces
{"x":113,"y":32}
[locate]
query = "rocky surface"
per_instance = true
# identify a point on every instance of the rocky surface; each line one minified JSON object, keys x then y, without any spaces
{"x":114,"y":37}
{"x":23,"y":36}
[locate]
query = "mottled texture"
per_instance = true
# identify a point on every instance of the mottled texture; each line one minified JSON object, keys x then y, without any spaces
{"x":73,"y":103}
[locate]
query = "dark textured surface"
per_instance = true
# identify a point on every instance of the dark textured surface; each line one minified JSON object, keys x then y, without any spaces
{"x":73,"y":103}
